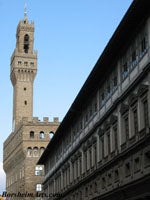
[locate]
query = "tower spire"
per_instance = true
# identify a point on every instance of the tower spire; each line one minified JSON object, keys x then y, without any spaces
{"x":25,"y":11}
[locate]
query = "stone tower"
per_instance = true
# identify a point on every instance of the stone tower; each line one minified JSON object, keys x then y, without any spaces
{"x":23,"y":71}
{"x":30,"y":136}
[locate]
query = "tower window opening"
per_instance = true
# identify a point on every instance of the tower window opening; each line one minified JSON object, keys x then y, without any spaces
{"x":38,"y":170}
{"x":41,"y":135}
{"x":25,"y":102}
{"x":32,"y":63}
{"x":29,"y":151}
{"x":25,"y":88}
{"x":26,"y":63}
{"x":35,"y":152}
{"x":26,"y":43}
{"x":31,"y":134}
{"x":42,"y":150}
{"x":38,"y":187}
{"x":51,"y":134}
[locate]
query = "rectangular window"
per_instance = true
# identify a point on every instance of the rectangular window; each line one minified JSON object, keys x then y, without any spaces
{"x":102,"y":142}
{"x":146,"y":115}
{"x":116,"y":175}
{"x":115,"y":82}
{"x":102,"y":98}
{"x":108,"y":89}
{"x":38,"y":171}
{"x":80,"y":125}
{"x":108,"y":140}
{"x":32,"y":64}
{"x":126,"y":123}
{"x":115,"y":136}
{"x":143,"y":46}
{"x":127,"y":169}
{"x":95,"y":153}
{"x":135,"y":117}
{"x":38,"y":187}
{"x":90,"y":111}
{"x":133,"y":58}
{"x":103,"y":182}
{"x":95,"y":106}
{"x":86,"y":118}
{"x":125,"y":70}
{"x":26,"y":63}
{"x":109,"y":179}
{"x":137,"y":164}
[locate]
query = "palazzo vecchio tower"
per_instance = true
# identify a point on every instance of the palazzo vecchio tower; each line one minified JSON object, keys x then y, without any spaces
{"x":29,"y":136}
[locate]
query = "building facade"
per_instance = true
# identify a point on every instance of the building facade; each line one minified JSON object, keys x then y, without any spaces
{"x":30,"y":136}
{"x":103,"y":143}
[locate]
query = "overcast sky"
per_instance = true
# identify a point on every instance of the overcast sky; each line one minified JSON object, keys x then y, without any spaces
{"x":70,"y":35}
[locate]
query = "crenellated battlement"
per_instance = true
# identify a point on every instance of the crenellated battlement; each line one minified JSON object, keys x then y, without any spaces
{"x":36,"y":120}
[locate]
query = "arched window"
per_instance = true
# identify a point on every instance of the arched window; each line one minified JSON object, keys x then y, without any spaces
{"x":29,"y":151}
{"x":42,"y":150}
{"x":41,"y":134}
{"x":51,"y":134}
{"x":26,"y":43}
{"x":35,"y":152}
{"x":31,"y":134}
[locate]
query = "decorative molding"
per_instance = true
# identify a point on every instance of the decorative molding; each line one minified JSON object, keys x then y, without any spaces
{"x":94,"y":139}
{"x":106,"y":125}
{"x":132,"y":98}
{"x":124,"y":108}
{"x":89,"y":143}
{"x":101,"y":132}
{"x":79,"y":153}
{"x":142,"y":89}
{"x":84,"y":147}
{"x":72,"y":159}
{"x":113,"y":119}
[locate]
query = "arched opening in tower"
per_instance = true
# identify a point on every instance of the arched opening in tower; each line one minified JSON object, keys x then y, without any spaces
{"x":26,"y":43}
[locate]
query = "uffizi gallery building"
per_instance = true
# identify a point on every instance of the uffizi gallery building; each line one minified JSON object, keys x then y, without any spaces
{"x":101,"y":150}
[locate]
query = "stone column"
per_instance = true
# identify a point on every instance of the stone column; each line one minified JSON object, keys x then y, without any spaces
{"x":61,"y":180}
{"x":88,"y":159}
{"x":71,"y":172}
{"x":105,"y":145}
{"x":120,"y":130}
{"x":93,"y":155}
{"x":112,"y":140}
{"x":82,"y":161}
{"x":98,"y":148}
{"x":131,"y":124}
{"x":140,"y":115}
